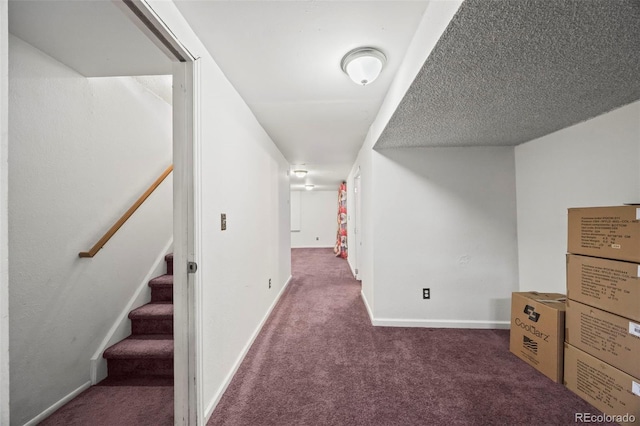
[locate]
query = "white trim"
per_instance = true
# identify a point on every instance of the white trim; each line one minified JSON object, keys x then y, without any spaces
{"x":396,"y":322}
{"x":366,"y":305}
{"x":196,"y":303}
{"x":121,"y":327}
{"x":185,"y":387}
{"x":353,"y":271}
{"x":356,"y":246}
{"x":227,"y":380}
{"x":159,"y":25}
{"x":307,"y":247}
{"x":49,"y":411}
{"x":193,"y":292}
{"x":4,"y":214}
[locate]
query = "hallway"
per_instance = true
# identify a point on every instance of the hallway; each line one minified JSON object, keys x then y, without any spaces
{"x":318,"y":361}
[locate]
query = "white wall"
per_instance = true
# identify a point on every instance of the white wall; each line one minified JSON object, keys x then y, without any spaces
{"x":294,"y":204}
{"x":4,"y":238}
{"x":160,"y":85}
{"x":435,"y":20}
{"x":81,"y":152}
{"x":594,"y":163}
{"x":245,"y":176}
{"x":365,"y":250}
{"x":445,"y":219}
{"x":318,"y":219}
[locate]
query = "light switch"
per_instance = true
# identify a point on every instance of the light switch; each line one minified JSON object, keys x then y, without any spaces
{"x":223,"y":221}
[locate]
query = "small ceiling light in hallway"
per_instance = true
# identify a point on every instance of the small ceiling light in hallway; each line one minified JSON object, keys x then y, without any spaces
{"x":363,"y":65}
{"x":300,"y":171}
{"x":309,"y":187}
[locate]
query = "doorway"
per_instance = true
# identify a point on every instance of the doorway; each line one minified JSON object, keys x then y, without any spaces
{"x":185,"y":223}
{"x":357,"y":195}
{"x":117,"y":51}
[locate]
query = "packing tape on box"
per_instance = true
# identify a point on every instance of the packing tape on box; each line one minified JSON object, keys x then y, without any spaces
{"x":560,"y":299}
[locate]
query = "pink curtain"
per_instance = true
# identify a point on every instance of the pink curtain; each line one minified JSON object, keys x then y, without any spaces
{"x":341,"y":240}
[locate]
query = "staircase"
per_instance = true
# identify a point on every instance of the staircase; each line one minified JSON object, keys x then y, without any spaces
{"x":148,"y":352}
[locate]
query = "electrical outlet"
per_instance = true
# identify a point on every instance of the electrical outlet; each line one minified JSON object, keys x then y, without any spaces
{"x":426,"y":293}
{"x":223,"y":221}
{"x":269,"y":282}
{"x":317,"y":238}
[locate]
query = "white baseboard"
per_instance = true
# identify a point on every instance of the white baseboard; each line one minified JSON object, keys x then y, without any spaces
{"x":49,"y":411}
{"x":395,"y":322}
{"x":227,"y":380}
{"x":121,"y":328}
{"x":353,"y":270}
{"x":313,"y":247}
{"x":366,"y":305}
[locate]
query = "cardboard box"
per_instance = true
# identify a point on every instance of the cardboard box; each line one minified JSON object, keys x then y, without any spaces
{"x":611,"y":338}
{"x":610,"y":390}
{"x":537,"y":331}
{"x":609,"y":232}
{"x":610,"y":285}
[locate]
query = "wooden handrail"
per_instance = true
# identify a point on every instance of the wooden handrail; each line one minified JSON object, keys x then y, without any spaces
{"x":125,"y":216}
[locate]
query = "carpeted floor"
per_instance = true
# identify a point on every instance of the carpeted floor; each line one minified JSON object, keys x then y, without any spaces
{"x":126,"y":402}
{"x":318,"y":361}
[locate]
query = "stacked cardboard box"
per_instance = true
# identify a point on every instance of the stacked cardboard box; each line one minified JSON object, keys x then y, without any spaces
{"x":537,"y":331}
{"x":602,"y":334}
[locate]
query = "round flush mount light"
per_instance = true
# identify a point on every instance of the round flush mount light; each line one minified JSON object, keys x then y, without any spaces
{"x":300,"y":171}
{"x":363,"y":65}
{"x":309,"y":187}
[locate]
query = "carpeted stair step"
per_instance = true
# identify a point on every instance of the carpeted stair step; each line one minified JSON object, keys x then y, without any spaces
{"x":141,"y":356}
{"x":152,"y":318}
{"x":169,"y":259}
{"x":148,"y":352}
{"x":162,"y":289}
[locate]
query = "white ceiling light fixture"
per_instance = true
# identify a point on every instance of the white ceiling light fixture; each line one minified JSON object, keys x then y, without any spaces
{"x":363,"y":65}
{"x":300,"y":171}
{"x":309,"y":187}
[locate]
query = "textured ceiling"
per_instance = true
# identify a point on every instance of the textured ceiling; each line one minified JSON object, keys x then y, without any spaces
{"x":509,"y":71}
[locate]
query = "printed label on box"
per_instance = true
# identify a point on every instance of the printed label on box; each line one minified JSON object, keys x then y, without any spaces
{"x":605,"y":232}
{"x":635,"y":388}
{"x":634,"y":328}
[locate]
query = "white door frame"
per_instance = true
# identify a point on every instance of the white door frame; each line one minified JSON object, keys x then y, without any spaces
{"x":184,"y":247}
{"x":357,"y":219}
{"x":4,"y":210}
{"x":186,"y":225}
